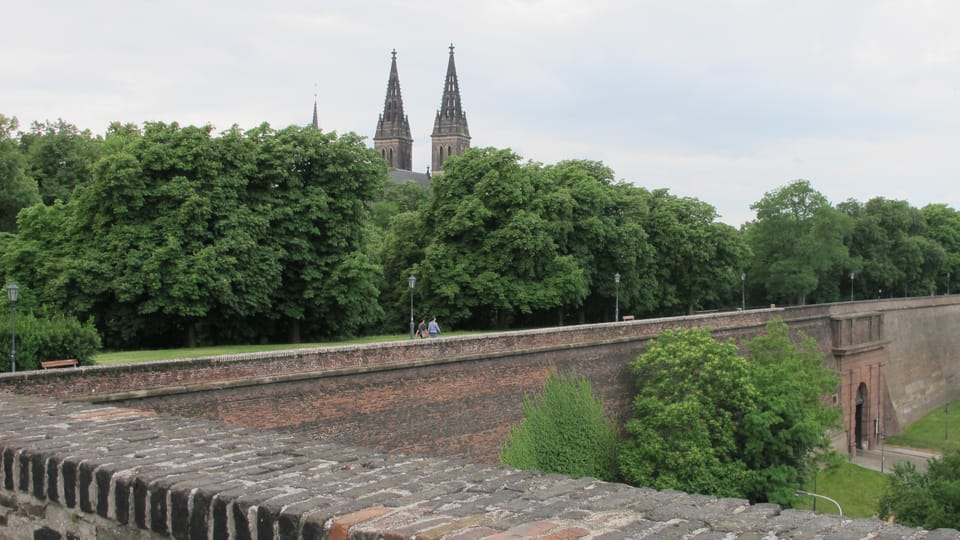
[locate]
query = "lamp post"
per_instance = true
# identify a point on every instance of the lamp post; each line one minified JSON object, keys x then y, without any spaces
{"x":743,"y":291}
{"x":412,"y":281}
{"x":12,"y":291}
{"x":852,"y":274}
{"x":616,"y":309}
{"x":840,"y":510}
{"x":946,"y":419}
{"x":948,"y":283}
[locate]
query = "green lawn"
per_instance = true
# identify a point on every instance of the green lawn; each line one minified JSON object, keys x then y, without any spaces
{"x":856,"y":489}
{"x":127,"y":357}
{"x":938,"y":430}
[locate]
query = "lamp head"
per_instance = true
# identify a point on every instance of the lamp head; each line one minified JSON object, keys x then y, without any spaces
{"x":616,"y":277}
{"x":412,"y":280}
{"x":12,"y":292}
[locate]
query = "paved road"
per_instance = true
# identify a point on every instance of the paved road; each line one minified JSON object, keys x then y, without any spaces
{"x":884,"y":460}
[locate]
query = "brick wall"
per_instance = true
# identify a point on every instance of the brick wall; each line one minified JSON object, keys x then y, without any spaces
{"x":83,"y":471}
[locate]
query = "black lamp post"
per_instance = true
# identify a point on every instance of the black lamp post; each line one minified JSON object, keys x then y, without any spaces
{"x":12,"y":291}
{"x":743,"y":291}
{"x":616,"y":309}
{"x":852,"y":274}
{"x":412,"y":281}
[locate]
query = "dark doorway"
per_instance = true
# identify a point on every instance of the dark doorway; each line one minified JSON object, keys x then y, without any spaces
{"x":858,"y":416}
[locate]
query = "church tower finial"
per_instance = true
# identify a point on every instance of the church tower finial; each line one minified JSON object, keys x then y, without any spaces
{"x":316,"y":118}
{"x":393,"y":139}
{"x":451,"y":135}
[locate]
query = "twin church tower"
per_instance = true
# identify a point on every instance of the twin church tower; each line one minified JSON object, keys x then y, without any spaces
{"x":450,"y":137}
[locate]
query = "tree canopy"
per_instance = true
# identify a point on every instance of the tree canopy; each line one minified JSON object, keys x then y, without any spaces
{"x":930,"y":500}
{"x":708,"y":419}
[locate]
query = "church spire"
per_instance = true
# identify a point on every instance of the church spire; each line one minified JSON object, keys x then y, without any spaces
{"x":451,"y":135}
{"x":393,"y":139}
{"x":315,"y":123}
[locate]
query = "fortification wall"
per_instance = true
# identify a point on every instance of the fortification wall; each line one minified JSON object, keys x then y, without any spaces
{"x":83,"y":471}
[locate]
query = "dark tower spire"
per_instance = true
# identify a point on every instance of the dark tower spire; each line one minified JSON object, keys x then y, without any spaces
{"x":393,"y":139}
{"x":451,"y":136}
{"x":316,"y":118}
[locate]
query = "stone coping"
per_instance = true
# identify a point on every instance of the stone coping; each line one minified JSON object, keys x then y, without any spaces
{"x":184,"y":478}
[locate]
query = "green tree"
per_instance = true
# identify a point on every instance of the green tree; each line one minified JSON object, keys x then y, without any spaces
{"x":600,"y":225}
{"x":698,"y":260}
{"x":787,"y":431}
{"x":930,"y":500}
{"x":17,"y":189}
{"x":693,"y":393}
{"x":798,"y":245}
{"x":564,"y":431}
{"x":315,"y":188}
{"x":943,"y":227}
{"x":898,"y":256}
{"x":491,"y":255}
{"x":708,"y":420}
{"x":59,"y":157}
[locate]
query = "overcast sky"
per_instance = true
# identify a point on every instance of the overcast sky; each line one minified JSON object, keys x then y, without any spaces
{"x":722,"y":100}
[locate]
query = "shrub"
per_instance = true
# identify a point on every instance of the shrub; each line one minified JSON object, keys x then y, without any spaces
{"x":49,"y":338}
{"x":564,"y":431}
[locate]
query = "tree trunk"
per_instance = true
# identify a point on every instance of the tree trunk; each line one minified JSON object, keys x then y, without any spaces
{"x":293,"y":331}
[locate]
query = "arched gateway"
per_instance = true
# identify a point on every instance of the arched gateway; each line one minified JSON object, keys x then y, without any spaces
{"x":859,"y":353}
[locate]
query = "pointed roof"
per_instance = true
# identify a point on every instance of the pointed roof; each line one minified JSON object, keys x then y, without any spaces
{"x":316,"y":119}
{"x":393,"y":123}
{"x":451,"y":118}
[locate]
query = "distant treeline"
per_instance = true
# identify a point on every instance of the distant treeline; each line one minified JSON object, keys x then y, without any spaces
{"x":167,"y":235}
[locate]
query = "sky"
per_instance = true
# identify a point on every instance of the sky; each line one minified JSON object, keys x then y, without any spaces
{"x":721,"y":100}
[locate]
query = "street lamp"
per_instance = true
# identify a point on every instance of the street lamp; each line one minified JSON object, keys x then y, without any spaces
{"x":12,"y":291}
{"x":852,"y":274}
{"x":948,"y":283}
{"x":743,"y":291}
{"x":616,"y":309}
{"x":412,"y":281}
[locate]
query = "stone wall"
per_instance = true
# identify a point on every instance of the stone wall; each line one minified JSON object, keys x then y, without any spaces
{"x":84,"y":471}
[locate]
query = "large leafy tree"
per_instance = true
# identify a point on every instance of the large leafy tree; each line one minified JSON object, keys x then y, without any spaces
{"x":930,"y":500}
{"x":599,"y":224}
{"x":943,"y":227}
{"x":314,"y":187}
{"x":491,"y":254}
{"x":60,"y":156}
{"x":17,"y":189}
{"x":898,"y":257}
{"x":708,"y":420}
{"x":698,"y":260}
{"x":693,"y":393}
{"x":798,"y":245}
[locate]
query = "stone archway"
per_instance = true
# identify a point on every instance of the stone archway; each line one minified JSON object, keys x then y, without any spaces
{"x":859,"y":351}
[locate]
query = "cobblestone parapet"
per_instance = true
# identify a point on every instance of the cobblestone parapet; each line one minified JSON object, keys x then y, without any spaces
{"x":76,"y":470}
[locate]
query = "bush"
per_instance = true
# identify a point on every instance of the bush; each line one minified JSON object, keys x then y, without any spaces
{"x":564,"y":431}
{"x":49,"y":338}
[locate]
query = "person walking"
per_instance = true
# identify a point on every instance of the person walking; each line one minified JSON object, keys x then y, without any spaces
{"x":433,"y":328}
{"x":422,"y":329}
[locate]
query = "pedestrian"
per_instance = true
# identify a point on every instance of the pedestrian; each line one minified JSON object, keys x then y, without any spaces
{"x":422,"y":329}
{"x":433,"y":328}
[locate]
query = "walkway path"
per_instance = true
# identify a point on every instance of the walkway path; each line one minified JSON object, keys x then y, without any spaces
{"x":884,"y":459}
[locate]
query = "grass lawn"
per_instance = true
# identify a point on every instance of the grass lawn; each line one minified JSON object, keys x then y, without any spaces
{"x":856,"y":489}
{"x":128,"y":357}
{"x":938,"y":430}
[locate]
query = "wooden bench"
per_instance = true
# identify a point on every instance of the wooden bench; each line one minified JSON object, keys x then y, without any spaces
{"x":628,"y":317}
{"x":50,"y":364}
